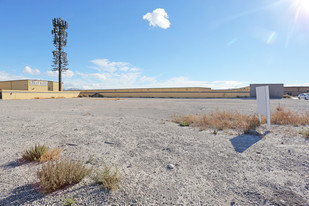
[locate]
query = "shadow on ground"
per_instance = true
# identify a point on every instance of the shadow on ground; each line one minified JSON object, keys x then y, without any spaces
{"x":242,"y":142}
{"x":22,"y":195}
{"x":12,"y":164}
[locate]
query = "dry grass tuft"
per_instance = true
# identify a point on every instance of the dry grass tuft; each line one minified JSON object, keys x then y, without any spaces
{"x":61,"y":173}
{"x":35,"y":153}
{"x":41,"y":153}
{"x":108,"y":179}
{"x":221,"y":120}
{"x":83,"y":95}
{"x":287,"y":96}
{"x":283,"y":116}
{"x":52,"y":154}
{"x":305,"y":132}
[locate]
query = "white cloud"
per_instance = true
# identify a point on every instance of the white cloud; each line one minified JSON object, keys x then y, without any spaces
{"x":158,"y":18}
{"x":186,"y":82}
{"x":29,"y":70}
{"x":4,"y":76}
{"x":67,"y":74}
{"x":106,"y":65}
{"x":116,"y":75}
{"x":93,"y":75}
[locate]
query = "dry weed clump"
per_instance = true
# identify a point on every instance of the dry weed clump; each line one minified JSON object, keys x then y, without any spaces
{"x":221,"y":120}
{"x":287,"y":96}
{"x":41,"y":153}
{"x":305,"y":132}
{"x":50,"y":154}
{"x":108,"y":179}
{"x":283,"y":116}
{"x":61,"y":173}
{"x":35,"y":153}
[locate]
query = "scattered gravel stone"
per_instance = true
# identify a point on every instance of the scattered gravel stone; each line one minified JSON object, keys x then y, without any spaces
{"x":170,"y":166}
{"x":71,"y":144}
{"x":214,"y":170}
{"x":109,"y":142}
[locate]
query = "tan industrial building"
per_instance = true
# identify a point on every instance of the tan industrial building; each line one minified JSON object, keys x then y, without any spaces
{"x":33,"y":89}
{"x":30,"y":85}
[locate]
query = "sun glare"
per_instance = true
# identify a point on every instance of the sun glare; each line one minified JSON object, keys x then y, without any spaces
{"x":302,"y":5}
{"x":301,"y":9}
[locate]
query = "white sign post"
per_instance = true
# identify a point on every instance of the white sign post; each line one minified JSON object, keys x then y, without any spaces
{"x":262,"y":97}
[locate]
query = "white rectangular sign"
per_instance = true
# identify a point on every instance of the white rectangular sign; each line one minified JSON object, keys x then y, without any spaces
{"x":38,"y":83}
{"x":262,"y":97}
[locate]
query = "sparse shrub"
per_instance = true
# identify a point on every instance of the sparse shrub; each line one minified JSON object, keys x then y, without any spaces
{"x":69,"y":201}
{"x":61,"y":173}
{"x":287,"y":96}
{"x":108,"y":179}
{"x":41,"y":153}
{"x":186,"y":118}
{"x":184,"y":124}
{"x":305,"y":132}
{"x":90,"y":160}
{"x":50,"y":154}
{"x":83,"y":95}
{"x":220,"y":120}
{"x":35,"y":153}
{"x":283,"y":116}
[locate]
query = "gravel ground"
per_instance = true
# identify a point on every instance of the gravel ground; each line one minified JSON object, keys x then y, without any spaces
{"x":224,"y":169}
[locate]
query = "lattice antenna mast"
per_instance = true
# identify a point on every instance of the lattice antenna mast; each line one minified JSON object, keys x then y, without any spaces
{"x":60,"y":61}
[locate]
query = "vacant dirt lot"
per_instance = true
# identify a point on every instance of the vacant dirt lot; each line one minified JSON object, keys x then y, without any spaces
{"x":138,"y":137}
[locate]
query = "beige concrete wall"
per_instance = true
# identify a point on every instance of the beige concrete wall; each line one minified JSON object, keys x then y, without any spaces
{"x":187,"y":89}
{"x":176,"y":95}
{"x":294,"y":91}
{"x":193,"y":92}
{"x":18,"y":94}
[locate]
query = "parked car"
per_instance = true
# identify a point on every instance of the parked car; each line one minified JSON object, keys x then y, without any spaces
{"x":303,"y":96}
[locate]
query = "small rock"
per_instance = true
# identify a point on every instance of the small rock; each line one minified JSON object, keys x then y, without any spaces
{"x":71,"y":144}
{"x":215,"y":132}
{"x":170,"y":166}
{"x":75,"y":129}
{"x":282,"y":201}
{"x":109,"y":142}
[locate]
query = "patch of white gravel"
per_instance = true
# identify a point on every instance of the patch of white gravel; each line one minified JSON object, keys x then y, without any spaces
{"x":138,"y":137}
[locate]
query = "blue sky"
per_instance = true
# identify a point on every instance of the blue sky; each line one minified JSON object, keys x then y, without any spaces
{"x":159,"y":43}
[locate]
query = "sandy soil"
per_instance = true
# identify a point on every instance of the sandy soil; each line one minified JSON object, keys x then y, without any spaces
{"x":224,"y":169}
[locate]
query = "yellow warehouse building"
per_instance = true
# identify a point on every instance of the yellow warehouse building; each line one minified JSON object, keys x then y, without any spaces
{"x":30,"y":85}
{"x":33,"y":89}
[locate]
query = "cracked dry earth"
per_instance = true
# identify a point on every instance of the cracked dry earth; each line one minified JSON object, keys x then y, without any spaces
{"x":138,"y":136}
